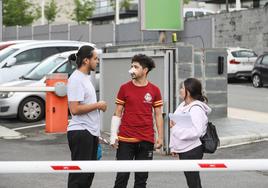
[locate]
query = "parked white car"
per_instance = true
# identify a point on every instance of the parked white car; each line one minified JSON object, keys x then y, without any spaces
{"x":195,"y":12}
{"x":240,"y":62}
{"x":6,"y":44}
{"x":30,"y":106}
{"x":17,"y":60}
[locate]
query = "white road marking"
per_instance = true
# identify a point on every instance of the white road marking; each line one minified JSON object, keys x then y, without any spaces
{"x":28,"y":127}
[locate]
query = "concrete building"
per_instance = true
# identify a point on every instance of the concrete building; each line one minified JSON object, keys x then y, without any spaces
{"x":64,"y":14}
{"x":103,"y":10}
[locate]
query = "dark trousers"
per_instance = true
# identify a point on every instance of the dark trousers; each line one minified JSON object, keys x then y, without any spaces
{"x":193,"y":178}
{"x":137,"y":151}
{"x":83,"y":146}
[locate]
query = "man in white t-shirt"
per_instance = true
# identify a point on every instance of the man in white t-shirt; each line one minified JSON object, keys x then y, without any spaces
{"x":84,"y":127}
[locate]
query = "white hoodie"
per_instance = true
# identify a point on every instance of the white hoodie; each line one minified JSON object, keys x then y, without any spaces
{"x":187,"y":137}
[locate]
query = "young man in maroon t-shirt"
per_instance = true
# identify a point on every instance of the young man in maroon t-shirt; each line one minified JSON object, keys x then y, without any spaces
{"x":136,"y":102}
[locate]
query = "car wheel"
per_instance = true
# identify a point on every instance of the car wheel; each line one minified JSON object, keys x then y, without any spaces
{"x":256,"y":80}
{"x":31,"y":110}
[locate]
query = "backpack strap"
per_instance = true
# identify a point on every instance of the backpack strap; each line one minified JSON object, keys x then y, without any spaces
{"x":196,"y":105}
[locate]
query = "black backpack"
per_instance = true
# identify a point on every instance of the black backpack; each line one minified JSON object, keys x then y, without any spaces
{"x":210,"y":140}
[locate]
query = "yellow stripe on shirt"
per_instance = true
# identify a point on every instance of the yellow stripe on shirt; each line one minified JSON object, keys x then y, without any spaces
{"x":118,"y":101}
{"x":158,"y":103}
{"x":125,"y":139}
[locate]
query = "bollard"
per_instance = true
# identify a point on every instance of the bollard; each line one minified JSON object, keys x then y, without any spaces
{"x":57,"y":104}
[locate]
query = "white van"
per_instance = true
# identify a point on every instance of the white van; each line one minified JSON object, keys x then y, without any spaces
{"x":17,"y":60}
{"x":195,"y":12}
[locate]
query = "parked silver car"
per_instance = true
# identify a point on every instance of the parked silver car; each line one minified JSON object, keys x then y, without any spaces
{"x":30,"y":106}
{"x":17,"y":60}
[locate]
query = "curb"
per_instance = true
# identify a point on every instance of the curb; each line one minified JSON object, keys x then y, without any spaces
{"x":242,"y":139}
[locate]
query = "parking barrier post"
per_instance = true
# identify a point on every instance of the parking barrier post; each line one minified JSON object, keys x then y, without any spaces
{"x":56,"y":104}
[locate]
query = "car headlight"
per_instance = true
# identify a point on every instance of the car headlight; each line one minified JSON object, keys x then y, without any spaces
{"x":4,"y":95}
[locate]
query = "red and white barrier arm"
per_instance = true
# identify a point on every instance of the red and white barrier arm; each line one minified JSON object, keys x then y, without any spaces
{"x":132,"y":166}
{"x":27,"y":89}
{"x":60,"y":89}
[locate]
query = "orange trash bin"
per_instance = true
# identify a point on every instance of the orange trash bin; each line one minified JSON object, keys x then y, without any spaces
{"x":56,"y":107}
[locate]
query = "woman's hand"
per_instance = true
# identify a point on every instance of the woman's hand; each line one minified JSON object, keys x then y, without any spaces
{"x":171,"y":124}
{"x":174,"y":154}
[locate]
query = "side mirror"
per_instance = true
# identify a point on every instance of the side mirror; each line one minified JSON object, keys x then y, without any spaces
{"x":11,"y":62}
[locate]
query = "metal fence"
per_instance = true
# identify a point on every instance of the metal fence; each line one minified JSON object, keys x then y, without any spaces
{"x":128,"y":33}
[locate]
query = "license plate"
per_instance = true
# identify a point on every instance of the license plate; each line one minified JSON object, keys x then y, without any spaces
{"x":247,"y":63}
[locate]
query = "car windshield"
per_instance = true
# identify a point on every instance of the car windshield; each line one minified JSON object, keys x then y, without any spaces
{"x":244,"y":53}
{"x":6,"y":52}
{"x":44,"y":68}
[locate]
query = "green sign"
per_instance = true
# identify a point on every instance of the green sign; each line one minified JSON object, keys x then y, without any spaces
{"x":164,"y":15}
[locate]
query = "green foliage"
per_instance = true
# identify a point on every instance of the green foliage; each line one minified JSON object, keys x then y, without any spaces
{"x":19,"y":12}
{"x":50,"y":11}
{"x":123,"y":4}
{"x":83,"y":10}
{"x":186,"y":1}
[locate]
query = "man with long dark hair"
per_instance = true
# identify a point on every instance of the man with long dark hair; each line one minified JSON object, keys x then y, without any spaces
{"x":84,"y":127}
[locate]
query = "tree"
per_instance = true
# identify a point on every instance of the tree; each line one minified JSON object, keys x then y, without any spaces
{"x":19,"y":12}
{"x":51,"y":11}
{"x":186,"y":1}
{"x":123,"y":4}
{"x":83,"y":10}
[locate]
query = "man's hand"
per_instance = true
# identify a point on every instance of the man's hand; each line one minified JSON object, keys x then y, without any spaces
{"x":102,"y":105}
{"x":115,"y":145}
{"x":159,"y":143}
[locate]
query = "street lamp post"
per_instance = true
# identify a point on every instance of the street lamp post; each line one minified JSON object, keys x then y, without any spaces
{"x":43,"y":12}
{"x":117,"y":10}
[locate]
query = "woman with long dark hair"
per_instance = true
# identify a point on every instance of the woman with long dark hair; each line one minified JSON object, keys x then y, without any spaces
{"x":185,"y":137}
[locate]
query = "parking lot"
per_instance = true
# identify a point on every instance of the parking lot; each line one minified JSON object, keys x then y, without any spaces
{"x":40,"y":146}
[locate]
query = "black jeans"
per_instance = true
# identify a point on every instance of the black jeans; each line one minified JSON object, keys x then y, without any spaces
{"x":83,"y":146}
{"x":137,"y":151}
{"x":193,"y":178}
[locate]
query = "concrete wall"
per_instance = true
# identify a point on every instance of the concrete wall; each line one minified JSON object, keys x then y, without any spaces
{"x":248,"y":28}
{"x":198,"y":32}
{"x":203,"y":65}
{"x":215,"y":85}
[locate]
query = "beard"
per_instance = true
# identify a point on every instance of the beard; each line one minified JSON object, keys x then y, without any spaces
{"x":90,"y":68}
{"x":133,"y":76}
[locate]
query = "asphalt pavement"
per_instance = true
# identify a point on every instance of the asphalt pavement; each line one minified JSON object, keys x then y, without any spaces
{"x":231,"y":131}
{"x":40,"y":146}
